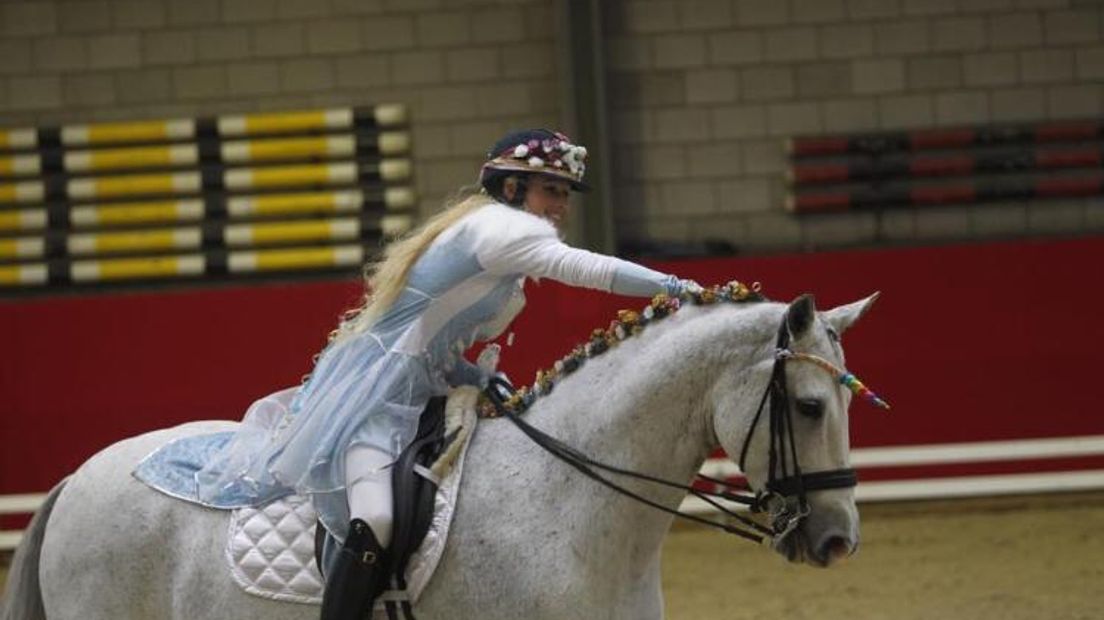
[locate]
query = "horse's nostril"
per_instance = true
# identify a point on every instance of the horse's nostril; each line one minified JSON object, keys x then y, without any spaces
{"x":834,"y":548}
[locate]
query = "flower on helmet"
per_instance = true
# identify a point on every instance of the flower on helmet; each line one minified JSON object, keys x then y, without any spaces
{"x":546,"y":153}
{"x":574,"y":157}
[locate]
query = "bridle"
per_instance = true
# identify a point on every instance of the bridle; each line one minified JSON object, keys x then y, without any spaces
{"x":785,"y":496}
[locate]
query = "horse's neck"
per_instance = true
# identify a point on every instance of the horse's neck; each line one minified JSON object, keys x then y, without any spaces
{"x":645,"y":405}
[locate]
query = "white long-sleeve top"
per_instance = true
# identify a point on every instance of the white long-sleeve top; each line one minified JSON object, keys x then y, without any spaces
{"x":370,"y":388}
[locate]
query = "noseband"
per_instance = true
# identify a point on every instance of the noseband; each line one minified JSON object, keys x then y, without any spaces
{"x":785,"y":497}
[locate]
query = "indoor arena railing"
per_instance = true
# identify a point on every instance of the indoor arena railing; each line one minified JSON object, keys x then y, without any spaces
{"x":942,"y":166}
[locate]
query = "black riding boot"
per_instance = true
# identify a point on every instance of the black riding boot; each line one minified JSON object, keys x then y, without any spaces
{"x":357,"y":577}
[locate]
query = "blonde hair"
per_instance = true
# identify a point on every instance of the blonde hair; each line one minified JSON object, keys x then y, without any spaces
{"x":385,"y":279}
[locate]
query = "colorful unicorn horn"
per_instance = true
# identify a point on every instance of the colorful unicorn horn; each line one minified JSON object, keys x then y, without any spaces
{"x":845,"y":378}
{"x":858,"y":389}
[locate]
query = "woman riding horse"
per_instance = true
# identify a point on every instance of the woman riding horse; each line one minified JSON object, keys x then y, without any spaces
{"x":456,"y":279}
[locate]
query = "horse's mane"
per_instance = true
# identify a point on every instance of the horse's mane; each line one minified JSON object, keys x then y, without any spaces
{"x":627,"y":324}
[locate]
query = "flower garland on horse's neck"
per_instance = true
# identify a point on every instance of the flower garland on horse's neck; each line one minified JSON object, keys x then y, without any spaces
{"x":628,"y":323}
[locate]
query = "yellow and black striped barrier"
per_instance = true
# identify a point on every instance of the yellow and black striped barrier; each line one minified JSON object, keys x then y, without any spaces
{"x":135,"y":241}
{"x":368,"y":118}
{"x":202,"y":198}
{"x":309,"y":175}
{"x":316,"y":175}
{"x":311,"y":120}
{"x":90,"y":188}
{"x":324,"y":257}
{"x":211,"y":153}
{"x":19,"y":248}
{"x":141,"y":268}
{"x":214,"y":235}
{"x":306,"y":203}
{"x":204,"y":235}
{"x":31,"y":274}
{"x":131,"y":213}
{"x":134,"y":157}
{"x":116,"y":133}
{"x":21,"y":220}
{"x":269,"y":206}
{"x":329,"y":146}
{"x":22,"y":192}
{"x":184,"y":266}
{"x":18,"y":139}
{"x":299,"y":231}
{"x":15,"y":166}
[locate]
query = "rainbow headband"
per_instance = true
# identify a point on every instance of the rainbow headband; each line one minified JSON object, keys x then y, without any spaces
{"x":845,"y":378}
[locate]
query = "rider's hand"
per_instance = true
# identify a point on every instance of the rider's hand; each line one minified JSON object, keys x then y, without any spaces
{"x":690,"y":287}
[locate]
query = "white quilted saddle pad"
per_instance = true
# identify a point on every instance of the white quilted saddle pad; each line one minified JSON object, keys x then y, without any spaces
{"x":271,"y":548}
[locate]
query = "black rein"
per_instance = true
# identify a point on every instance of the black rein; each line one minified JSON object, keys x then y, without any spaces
{"x":785,"y":478}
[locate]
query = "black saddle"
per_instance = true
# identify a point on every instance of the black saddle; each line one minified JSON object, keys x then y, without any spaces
{"x":414,"y":494}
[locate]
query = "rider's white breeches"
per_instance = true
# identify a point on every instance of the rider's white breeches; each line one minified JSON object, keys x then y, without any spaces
{"x":368,"y":484}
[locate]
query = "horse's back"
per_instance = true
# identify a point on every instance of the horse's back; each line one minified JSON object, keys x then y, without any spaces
{"x":115,"y":548}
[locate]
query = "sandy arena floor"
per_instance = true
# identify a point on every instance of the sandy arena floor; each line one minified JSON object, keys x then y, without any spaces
{"x":1037,"y":558}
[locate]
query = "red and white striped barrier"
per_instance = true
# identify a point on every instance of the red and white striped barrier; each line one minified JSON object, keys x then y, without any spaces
{"x":1031,"y":466}
{"x":941,"y":166}
{"x":958,"y":470}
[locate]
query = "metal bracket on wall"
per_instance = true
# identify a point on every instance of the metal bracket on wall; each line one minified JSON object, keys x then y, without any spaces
{"x":583,"y":94}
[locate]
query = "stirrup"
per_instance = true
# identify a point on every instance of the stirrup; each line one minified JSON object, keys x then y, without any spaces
{"x":359,"y":575}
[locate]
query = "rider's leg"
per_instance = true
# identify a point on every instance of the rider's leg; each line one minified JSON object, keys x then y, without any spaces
{"x":358,"y":574}
{"x":368,"y":483}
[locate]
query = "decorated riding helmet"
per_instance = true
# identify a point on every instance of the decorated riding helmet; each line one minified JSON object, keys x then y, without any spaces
{"x":533,"y":151}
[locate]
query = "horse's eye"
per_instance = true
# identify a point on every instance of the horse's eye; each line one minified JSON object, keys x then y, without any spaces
{"x":810,"y":408}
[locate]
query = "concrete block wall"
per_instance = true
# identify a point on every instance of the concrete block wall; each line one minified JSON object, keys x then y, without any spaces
{"x":703,"y":94}
{"x":469,"y":69}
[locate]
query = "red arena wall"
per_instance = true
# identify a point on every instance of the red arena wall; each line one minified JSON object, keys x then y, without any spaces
{"x":969,"y":343}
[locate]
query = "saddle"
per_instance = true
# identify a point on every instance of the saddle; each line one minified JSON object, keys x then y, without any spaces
{"x":414,"y":484}
{"x":272,"y":550}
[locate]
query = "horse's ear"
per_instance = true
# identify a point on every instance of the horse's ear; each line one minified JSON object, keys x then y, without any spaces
{"x":799,"y":318}
{"x":843,"y":317}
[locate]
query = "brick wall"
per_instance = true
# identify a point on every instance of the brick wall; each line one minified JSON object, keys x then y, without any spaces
{"x":468,"y":70}
{"x":704,"y":92}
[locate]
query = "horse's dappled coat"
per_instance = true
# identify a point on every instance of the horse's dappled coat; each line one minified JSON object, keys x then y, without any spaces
{"x":530,"y":538}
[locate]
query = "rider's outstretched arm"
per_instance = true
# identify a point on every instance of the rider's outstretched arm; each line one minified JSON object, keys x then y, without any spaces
{"x":531,"y":248}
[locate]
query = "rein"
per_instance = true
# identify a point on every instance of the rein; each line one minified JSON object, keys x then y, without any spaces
{"x":499,"y":391}
{"x":785,"y":497}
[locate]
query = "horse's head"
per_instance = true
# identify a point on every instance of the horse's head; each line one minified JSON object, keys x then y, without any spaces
{"x":798,"y":411}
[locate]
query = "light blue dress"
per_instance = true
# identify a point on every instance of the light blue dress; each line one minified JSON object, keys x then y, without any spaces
{"x":371,"y":388}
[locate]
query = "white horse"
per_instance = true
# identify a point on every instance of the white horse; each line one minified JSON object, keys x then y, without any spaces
{"x":531,"y":537}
